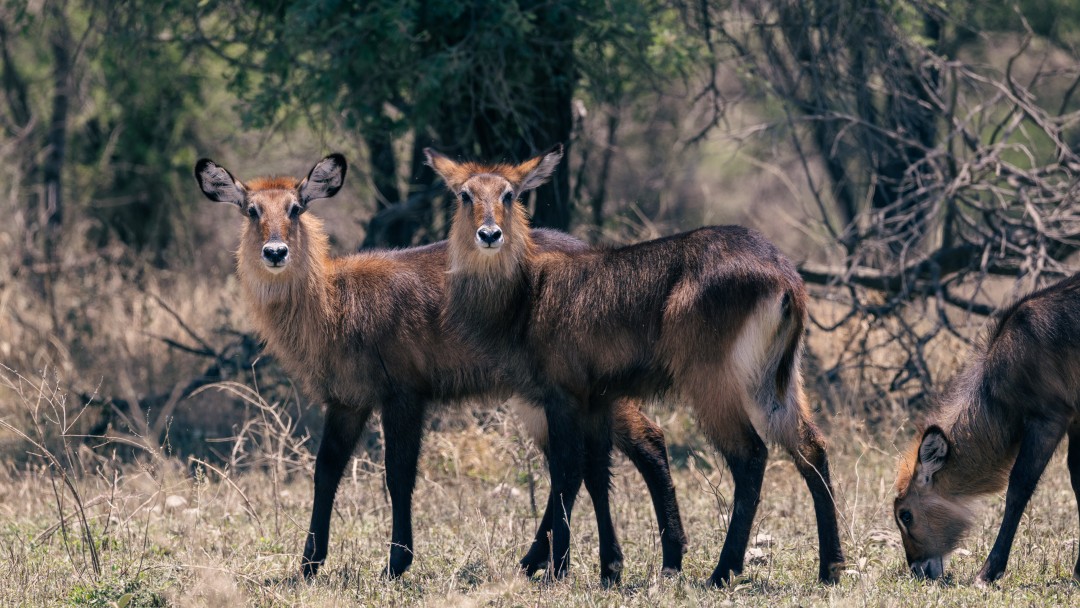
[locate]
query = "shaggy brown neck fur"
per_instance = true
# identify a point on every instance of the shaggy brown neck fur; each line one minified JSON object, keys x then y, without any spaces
{"x":981,"y":451}
{"x":488,"y":282}
{"x":981,"y":456}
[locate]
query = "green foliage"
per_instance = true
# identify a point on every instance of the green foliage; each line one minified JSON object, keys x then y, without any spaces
{"x":421,"y":59}
{"x":145,"y":126}
{"x":1056,"y":20}
{"x":490,"y":79}
{"x":133,"y":92}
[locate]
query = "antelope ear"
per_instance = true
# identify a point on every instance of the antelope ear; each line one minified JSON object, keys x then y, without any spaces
{"x":324,"y":180}
{"x":933,"y":452}
{"x":452,"y":173}
{"x":535,"y":171}
{"x":218,"y":184}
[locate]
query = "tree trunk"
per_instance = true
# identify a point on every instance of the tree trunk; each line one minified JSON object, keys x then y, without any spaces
{"x":605,"y":168}
{"x":383,"y":164}
{"x":52,"y":210}
{"x":554,"y":97}
{"x":396,"y":224}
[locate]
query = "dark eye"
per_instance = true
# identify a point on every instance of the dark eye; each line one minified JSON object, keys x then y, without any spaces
{"x":294,"y":212}
{"x":466,"y":199}
{"x":253,"y":212}
{"x":906,"y":518}
{"x":508,"y":198}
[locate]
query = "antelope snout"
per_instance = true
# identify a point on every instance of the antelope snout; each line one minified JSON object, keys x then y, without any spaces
{"x":931,"y":569}
{"x":489,"y":236}
{"x":275,"y":254}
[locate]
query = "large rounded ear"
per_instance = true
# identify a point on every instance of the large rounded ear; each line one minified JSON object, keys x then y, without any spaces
{"x":218,"y":184}
{"x":324,"y":180}
{"x":933,"y":452}
{"x":452,"y":173}
{"x":535,"y":171}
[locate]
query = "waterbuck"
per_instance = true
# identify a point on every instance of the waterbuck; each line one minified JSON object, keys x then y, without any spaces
{"x":716,"y":315}
{"x":362,"y":332}
{"x":999,"y":422}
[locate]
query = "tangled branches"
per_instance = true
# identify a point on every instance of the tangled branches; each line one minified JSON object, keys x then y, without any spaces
{"x":938,"y":161}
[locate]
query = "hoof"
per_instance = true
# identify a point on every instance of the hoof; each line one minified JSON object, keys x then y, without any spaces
{"x":530,"y":568}
{"x":719,"y":582}
{"x":830,"y":575}
{"x":399,"y":563}
{"x":982,"y":582}
{"x":987,"y":576}
{"x":722,"y":576}
{"x":534,"y":561}
{"x":309,"y":569}
{"x":673,"y":554}
{"x":611,"y":575}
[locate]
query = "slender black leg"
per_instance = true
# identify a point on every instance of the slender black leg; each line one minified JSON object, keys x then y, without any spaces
{"x":565,"y":445}
{"x":597,"y":477}
{"x":540,"y":552}
{"x":643,"y":443}
{"x":403,"y":426}
{"x":1074,"y":476}
{"x":747,"y":464}
{"x":341,"y":430}
{"x":1037,"y":445}
{"x":813,"y":464}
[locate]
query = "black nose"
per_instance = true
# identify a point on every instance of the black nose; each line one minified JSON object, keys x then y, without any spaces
{"x":275,"y":252}
{"x":489,"y":235}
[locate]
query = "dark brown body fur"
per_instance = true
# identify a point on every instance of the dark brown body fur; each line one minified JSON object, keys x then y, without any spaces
{"x":361,"y":333}
{"x":716,"y":314}
{"x":998,"y":423}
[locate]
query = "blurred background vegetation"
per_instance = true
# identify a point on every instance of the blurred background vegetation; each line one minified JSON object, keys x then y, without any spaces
{"x":915,"y":157}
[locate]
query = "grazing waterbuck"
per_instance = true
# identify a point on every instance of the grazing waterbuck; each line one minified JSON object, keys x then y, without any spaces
{"x":362,"y":332}
{"x":716,"y":315}
{"x":997,"y":424}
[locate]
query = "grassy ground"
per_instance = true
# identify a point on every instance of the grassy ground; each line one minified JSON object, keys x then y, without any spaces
{"x":173,"y":533}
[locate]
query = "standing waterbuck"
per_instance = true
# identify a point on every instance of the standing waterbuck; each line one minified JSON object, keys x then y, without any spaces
{"x":362,"y":332}
{"x":716,"y":315}
{"x":999,"y":422}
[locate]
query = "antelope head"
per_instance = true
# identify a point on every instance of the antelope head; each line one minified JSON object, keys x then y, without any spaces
{"x":489,"y":213}
{"x":273,"y":207}
{"x":931,"y":519}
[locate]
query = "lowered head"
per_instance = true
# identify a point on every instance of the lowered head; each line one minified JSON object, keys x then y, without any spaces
{"x":931,"y":519}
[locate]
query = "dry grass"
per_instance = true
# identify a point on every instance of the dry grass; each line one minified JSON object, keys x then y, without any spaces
{"x":170,"y":532}
{"x":134,"y":522}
